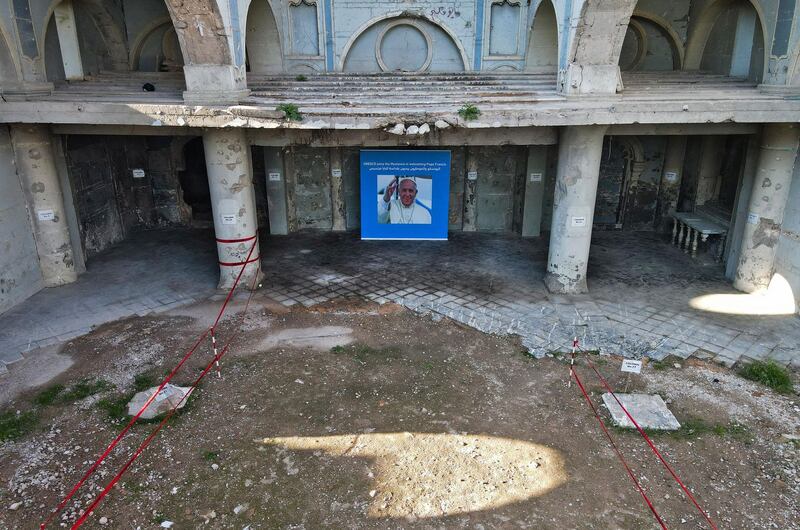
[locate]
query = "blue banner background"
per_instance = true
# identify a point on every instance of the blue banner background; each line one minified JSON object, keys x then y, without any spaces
{"x":434,"y":164}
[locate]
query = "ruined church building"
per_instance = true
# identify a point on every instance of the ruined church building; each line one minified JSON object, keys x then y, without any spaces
{"x":678,"y":117}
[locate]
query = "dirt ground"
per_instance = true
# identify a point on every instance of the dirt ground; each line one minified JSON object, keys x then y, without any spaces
{"x":351,"y":415}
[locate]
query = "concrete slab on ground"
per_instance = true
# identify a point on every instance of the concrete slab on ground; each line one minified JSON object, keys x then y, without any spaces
{"x":649,"y":411}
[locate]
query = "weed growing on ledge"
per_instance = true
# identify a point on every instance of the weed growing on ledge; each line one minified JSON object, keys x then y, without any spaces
{"x":301,"y":78}
{"x":469,"y":112}
{"x":290,"y":111}
{"x":768,"y":374}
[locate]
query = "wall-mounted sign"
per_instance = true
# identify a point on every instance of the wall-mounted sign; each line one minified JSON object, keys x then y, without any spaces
{"x":229,"y":218}
{"x":138,"y":173}
{"x":536,"y":177}
{"x":336,"y":172}
{"x":46,"y":215}
{"x":472,"y":175}
{"x":753,"y":218}
{"x":410,"y":191}
{"x":630,"y":365}
{"x":671,"y":177}
{"x":578,"y":221}
{"x":274,"y":177}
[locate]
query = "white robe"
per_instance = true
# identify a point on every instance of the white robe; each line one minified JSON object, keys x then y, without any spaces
{"x":395,"y":213}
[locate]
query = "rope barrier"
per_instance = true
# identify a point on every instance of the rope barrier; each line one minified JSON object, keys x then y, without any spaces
{"x":652,"y":445}
{"x":113,"y":444}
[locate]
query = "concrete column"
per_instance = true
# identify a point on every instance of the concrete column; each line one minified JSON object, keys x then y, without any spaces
{"x":338,"y":207}
{"x":579,"y":153}
{"x":743,"y":41}
{"x":276,"y":191}
{"x":470,"y":189}
{"x":671,"y":175}
{"x":36,"y":167}
{"x":68,"y":40}
{"x":233,"y":202}
{"x":779,"y":143}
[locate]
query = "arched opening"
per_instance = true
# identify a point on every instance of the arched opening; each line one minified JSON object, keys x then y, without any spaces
{"x":87,"y":38}
{"x":403,"y":44}
{"x":157,"y":49}
{"x":728,"y":38}
{"x":263,"y":45}
{"x":542,"y":54}
{"x":649,"y":46}
{"x":8,"y":70}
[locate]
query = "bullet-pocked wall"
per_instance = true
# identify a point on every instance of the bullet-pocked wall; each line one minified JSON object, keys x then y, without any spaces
{"x":125,"y":183}
{"x":487,"y":187}
{"x":20,"y":276}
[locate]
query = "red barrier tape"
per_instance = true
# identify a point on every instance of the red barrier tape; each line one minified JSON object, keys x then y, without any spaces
{"x":652,"y":446}
{"x":238,"y":263}
{"x":241,"y":240}
{"x":616,"y":450}
{"x":166,"y":380}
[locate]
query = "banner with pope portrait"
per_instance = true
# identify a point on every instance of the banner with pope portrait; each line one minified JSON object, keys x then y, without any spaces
{"x":404,"y":194}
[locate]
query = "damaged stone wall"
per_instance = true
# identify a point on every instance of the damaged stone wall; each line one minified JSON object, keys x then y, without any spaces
{"x":122,"y":184}
{"x":309,"y":188}
{"x":630,"y":176}
{"x":20,"y":275}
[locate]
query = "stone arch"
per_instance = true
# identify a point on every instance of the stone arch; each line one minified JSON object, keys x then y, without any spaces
{"x":376,"y":23}
{"x":669,"y":33}
{"x":542,"y":53}
{"x":9,"y":68}
{"x":103,"y":22}
{"x":702,"y":28}
{"x":262,"y":39}
{"x":160,"y":36}
{"x":600,"y":32}
{"x":201,"y":31}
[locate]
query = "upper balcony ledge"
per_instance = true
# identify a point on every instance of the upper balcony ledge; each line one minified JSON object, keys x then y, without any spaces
{"x":376,"y":101}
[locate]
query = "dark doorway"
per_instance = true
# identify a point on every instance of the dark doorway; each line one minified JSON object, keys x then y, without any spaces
{"x":194,"y":181}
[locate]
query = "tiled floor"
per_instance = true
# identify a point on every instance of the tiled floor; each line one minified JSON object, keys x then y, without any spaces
{"x":639,"y":301}
{"x":149,"y":272}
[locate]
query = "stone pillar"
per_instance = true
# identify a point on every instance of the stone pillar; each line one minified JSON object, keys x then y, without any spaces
{"x":671,"y":176}
{"x":534,"y":191}
{"x":36,"y":167}
{"x":470,"y":189}
{"x":338,"y":207}
{"x":579,"y":153}
{"x":233,"y":203}
{"x":779,"y":143}
{"x":708,"y":171}
{"x":68,"y":39}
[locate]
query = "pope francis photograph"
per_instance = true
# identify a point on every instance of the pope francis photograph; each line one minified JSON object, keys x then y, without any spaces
{"x":399,"y":204}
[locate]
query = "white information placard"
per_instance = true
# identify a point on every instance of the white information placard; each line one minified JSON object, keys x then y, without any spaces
{"x":274,"y":177}
{"x":472,"y":175}
{"x":578,"y":221}
{"x":630,"y":365}
{"x":229,"y":218}
{"x":138,"y":173}
{"x":45,"y":215}
{"x":752,"y":218}
{"x":336,"y":172}
{"x":536,"y":177}
{"x":671,"y":176}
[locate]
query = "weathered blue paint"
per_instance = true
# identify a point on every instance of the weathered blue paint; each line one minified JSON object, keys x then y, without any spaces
{"x":238,"y":45}
{"x":329,"y":36}
{"x":783,"y":28}
{"x":478,"y":35}
{"x":27,"y":36}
